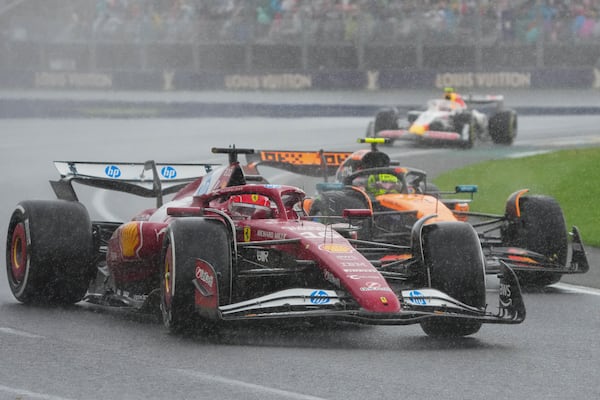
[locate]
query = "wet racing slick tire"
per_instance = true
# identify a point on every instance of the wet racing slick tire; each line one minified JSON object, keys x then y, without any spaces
{"x":333,"y":203}
{"x":370,"y":130}
{"x":385,"y":119}
{"x":503,"y":127}
{"x":540,"y":228}
{"x":187,"y":240}
{"x":455,"y":260}
{"x":49,"y":252}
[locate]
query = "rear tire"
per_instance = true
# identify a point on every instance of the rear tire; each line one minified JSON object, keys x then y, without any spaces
{"x":185,"y":241}
{"x":385,"y":119}
{"x":455,"y":260}
{"x":49,"y":252}
{"x":370,"y":133}
{"x":503,"y":127}
{"x":541,"y":228}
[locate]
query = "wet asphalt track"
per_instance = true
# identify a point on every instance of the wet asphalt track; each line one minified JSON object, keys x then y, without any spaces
{"x":78,"y":354}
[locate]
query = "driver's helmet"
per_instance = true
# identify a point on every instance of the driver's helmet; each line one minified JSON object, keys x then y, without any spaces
{"x":379,"y":184}
{"x":247,"y":206}
{"x":448,"y":92}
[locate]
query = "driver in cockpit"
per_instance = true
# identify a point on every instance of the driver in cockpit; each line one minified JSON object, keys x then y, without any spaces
{"x":450,"y":94}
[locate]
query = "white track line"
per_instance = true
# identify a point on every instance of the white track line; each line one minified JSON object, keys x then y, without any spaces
{"x":16,"y":332}
{"x":527,"y":154}
{"x":248,"y":386}
{"x":25,"y":394}
{"x":561,"y":142}
{"x":578,"y":289}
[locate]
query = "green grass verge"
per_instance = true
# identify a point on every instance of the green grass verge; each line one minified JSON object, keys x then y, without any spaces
{"x":572,"y":177}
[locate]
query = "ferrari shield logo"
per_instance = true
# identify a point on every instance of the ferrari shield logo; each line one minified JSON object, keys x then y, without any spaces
{"x":247,"y":231}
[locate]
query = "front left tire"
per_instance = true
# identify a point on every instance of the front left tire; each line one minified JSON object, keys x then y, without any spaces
{"x":541,"y":227}
{"x":188,"y":240}
{"x":455,"y":261}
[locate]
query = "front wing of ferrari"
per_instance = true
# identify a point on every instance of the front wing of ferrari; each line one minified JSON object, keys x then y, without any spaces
{"x":417,"y":305}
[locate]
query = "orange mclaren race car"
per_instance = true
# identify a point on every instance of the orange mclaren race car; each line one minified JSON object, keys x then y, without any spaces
{"x":530,"y":236}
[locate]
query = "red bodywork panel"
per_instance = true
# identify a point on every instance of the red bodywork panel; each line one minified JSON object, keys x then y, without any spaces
{"x":206,"y":278}
{"x":134,"y":249}
{"x":341,"y":264}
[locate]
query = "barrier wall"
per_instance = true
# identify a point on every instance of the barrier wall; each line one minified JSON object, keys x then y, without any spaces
{"x":545,"y":78}
{"x":64,"y":108}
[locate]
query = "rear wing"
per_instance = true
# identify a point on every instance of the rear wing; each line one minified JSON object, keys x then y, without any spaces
{"x":484,"y":99}
{"x":147,"y":179}
{"x":312,"y":163}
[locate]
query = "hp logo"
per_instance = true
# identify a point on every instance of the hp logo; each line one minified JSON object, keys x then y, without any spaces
{"x":417,"y":297}
{"x":112,"y":171}
{"x":319,"y":297}
{"x":168,"y":172}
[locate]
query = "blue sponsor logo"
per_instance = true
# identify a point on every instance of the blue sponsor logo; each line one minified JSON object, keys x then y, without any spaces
{"x":271,"y":186}
{"x":319,"y":297}
{"x":417,"y":297}
{"x":112,"y":171}
{"x":168,"y":172}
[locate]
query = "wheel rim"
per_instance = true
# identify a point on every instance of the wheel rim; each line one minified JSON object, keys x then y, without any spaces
{"x":18,"y":254}
{"x":168,"y":279}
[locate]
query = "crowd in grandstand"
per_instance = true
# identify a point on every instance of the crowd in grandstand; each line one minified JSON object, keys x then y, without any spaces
{"x":331,"y":20}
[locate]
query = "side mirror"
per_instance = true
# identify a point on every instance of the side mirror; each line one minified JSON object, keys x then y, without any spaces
{"x":466,"y":189}
{"x":326,"y":186}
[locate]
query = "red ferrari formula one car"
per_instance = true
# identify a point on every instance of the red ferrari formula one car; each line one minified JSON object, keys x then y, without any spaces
{"x":230,"y":247}
{"x":531,"y":236}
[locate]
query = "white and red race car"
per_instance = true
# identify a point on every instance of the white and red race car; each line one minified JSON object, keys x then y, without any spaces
{"x":446,"y":122}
